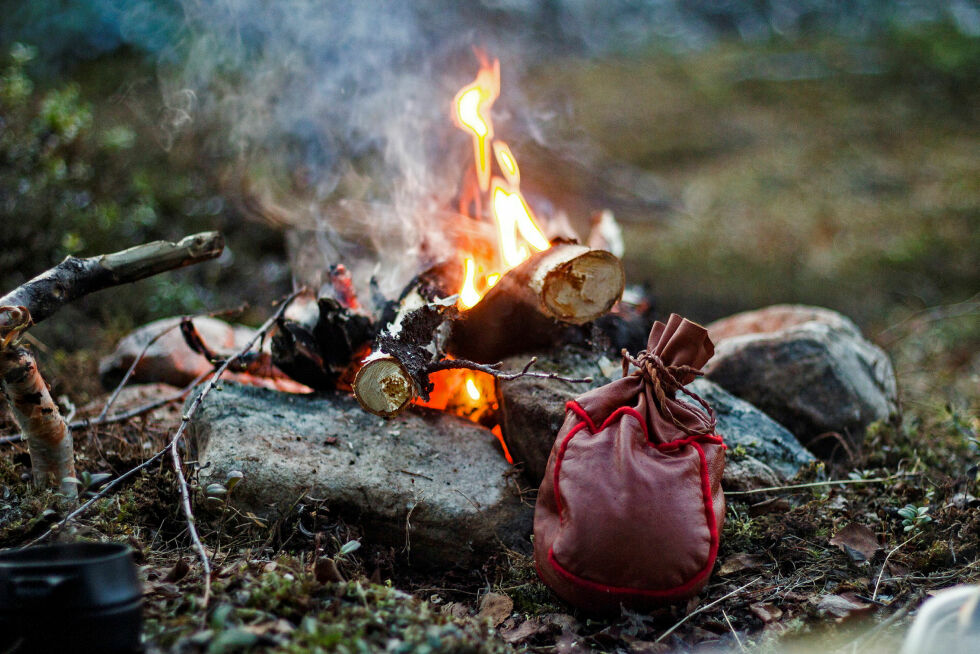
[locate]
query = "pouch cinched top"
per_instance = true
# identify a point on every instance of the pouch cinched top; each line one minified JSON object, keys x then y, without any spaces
{"x":630,"y":509}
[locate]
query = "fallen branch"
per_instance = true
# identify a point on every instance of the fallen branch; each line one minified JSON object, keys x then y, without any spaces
{"x":75,"y":277}
{"x":48,"y":439}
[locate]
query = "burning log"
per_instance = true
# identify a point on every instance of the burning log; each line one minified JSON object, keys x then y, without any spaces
{"x":318,"y":338}
{"x":74,"y":277}
{"x":397,"y":370}
{"x":567,"y":283}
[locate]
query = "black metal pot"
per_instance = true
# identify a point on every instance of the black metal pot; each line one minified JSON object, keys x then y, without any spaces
{"x":76,"y":597}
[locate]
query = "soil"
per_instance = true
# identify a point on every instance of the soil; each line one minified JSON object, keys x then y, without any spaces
{"x":310,"y":581}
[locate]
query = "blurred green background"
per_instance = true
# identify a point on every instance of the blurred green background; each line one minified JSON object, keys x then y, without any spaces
{"x":751,"y":159}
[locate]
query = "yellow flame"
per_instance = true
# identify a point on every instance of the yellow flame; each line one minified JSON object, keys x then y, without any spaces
{"x":492,"y":279}
{"x":471,"y":389}
{"x":468,"y":295}
{"x":513,"y":216}
{"x":471,"y":112}
{"x":507,"y":163}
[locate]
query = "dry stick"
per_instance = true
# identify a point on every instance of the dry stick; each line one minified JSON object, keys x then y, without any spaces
{"x":884,"y":564}
{"x":38,"y":416}
{"x":184,"y":421}
{"x":494,"y":370}
{"x":124,"y":415}
{"x":704,"y":608}
{"x":132,"y":368}
{"x":815,"y":484}
{"x":738,"y":640}
{"x":74,"y":277}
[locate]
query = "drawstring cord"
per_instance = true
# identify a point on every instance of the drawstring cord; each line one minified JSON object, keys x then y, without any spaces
{"x":664,"y":379}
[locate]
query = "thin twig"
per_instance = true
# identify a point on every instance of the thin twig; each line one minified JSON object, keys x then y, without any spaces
{"x":738,"y":640}
{"x":928,"y":315}
{"x":815,"y":484}
{"x":494,"y":369}
{"x":146,"y":348}
{"x":704,"y":608}
{"x":171,"y":447}
{"x":884,"y":565}
{"x":132,"y":369}
{"x":124,"y":415}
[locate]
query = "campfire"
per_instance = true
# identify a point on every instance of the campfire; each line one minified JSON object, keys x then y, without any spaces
{"x":504,"y":288}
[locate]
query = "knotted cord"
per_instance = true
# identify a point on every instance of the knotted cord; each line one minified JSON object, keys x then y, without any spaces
{"x":663,"y":379}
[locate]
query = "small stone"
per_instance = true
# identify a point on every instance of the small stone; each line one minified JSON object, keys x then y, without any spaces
{"x":169,"y":360}
{"x":755,"y":441}
{"x":444,"y":487}
{"x":809,"y":368}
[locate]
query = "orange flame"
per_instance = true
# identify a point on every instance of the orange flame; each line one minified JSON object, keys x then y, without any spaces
{"x":472,"y":113}
{"x":517,"y":231}
{"x":468,"y":295}
{"x":513,"y":216}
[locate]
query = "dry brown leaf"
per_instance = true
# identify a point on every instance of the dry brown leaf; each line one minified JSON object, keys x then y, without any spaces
{"x":766,"y":612}
{"x":325,"y":571}
{"x":524,"y":631}
{"x":179,"y":571}
{"x":454,"y":610}
{"x":495,"y":607}
{"x":841,"y":607}
{"x":741,"y":561}
{"x":857,"y":541}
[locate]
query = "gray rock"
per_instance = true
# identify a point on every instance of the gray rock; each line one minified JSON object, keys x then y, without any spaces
{"x":442,"y":475}
{"x":755,"y":441}
{"x":169,"y":360}
{"x":808,"y":368}
{"x":533,"y":410}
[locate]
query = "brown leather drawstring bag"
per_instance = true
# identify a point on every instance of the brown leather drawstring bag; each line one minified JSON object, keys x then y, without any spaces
{"x":631,"y":508}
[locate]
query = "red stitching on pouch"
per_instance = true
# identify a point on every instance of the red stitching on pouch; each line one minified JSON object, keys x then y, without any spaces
{"x":705,"y":493}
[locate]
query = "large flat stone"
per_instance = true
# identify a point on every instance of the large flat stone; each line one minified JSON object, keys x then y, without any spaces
{"x":443,"y":475}
{"x":808,"y":368}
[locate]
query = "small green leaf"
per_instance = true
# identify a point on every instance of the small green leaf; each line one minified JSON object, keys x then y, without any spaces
{"x":233,"y":478}
{"x":215,"y":490}
{"x":349,"y":547}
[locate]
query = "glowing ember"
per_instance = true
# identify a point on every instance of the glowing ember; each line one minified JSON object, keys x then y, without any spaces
{"x":472,"y":390}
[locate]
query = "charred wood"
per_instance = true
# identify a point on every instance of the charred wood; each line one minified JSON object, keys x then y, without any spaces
{"x":568,"y":284}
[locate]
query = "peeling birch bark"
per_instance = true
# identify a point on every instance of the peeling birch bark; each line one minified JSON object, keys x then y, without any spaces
{"x":37,"y":415}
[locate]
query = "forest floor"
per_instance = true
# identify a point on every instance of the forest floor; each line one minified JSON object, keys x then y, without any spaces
{"x":847,"y":190}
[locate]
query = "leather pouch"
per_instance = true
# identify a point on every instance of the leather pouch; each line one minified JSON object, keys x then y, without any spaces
{"x":630,"y":510}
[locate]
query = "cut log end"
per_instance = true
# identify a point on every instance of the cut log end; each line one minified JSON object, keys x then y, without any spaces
{"x":584,"y":288}
{"x":383,"y":386}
